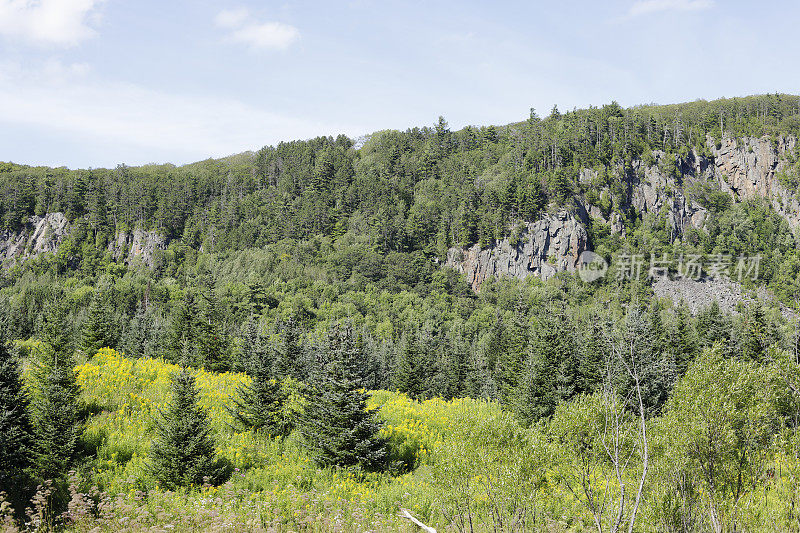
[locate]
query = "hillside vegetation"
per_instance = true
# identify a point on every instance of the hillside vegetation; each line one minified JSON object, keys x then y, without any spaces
{"x":298,"y":356}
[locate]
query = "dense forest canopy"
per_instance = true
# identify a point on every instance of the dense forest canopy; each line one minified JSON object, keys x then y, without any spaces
{"x":316,"y":268}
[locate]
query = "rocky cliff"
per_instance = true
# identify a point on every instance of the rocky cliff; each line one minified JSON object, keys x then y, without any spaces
{"x":137,"y":246}
{"x":550,"y":245}
{"x":38,"y":235}
{"x":45,"y":234}
{"x":743,"y":168}
{"x":748,"y":168}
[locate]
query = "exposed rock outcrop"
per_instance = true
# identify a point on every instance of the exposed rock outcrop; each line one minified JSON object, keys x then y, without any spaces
{"x":550,"y":245}
{"x":700,"y":294}
{"x":748,"y":168}
{"x":137,"y":246}
{"x":38,"y":235}
{"x":45,"y":234}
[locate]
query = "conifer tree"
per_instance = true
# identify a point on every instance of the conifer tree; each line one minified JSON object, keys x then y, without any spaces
{"x":98,"y":328}
{"x":289,"y":361}
{"x":713,"y":326}
{"x":212,"y":342}
{"x":411,"y":372}
{"x":15,"y":426}
{"x":140,"y":338}
{"x":260,"y":403}
{"x":337,"y":429}
{"x":54,"y":406}
{"x":183,"y":450}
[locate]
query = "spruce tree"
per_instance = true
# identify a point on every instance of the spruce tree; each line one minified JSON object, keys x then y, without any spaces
{"x":337,"y":429}
{"x":54,"y":406}
{"x":98,"y":328}
{"x":212,"y":342}
{"x":260,"y":403}
{"x":183,"y":449}
{"x":15,"y":426}
{"x":289,"y":361}
{"x":410,"y":373}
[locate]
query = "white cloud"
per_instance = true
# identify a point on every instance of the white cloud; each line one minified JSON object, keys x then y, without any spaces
{"x":48,"y":22}
{"x":69,"y":100}
{"x":244,"y":29}
{"x":232,"y":18}
{"x":644,"y":7}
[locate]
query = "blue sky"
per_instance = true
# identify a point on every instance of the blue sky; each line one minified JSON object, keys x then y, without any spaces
{"x":91,"y":83}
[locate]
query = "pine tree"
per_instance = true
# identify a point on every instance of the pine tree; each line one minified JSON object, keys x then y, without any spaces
{"x":183,"y":450}
{"x":15,"y":425}
{"x":98,"y":328}
{"x":410,"y":374}
{"x":290,"y":357}
{"x":261,"y":402}
{"x":337,"y":429}
{"x":54,"y":405}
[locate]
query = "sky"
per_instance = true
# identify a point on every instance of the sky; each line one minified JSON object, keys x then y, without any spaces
{"x":96,"y":83}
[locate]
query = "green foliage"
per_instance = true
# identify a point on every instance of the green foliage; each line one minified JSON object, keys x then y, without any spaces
{"x":337,"y":429}
{"x":15,"y":425}
{"x":262,"y":402}
{"x":183,"y":451}
{"x":54,"y":412}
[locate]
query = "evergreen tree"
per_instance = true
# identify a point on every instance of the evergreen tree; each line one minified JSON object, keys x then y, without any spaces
{"x":183,"y":449}
{"x":713,"y":326}
{"x":15,"y":426}
{"x":183,"y":330}
{"x":261,"y":402}
{"x":511,"y":362}
{"x":336,"y":427}
{"x":410,"y":376}
{"x":755,"y":336}
{"x":212,"y":342}
{"x":141,"y":337}
{"x":552,"y":370}
{"x":54,"y":404}
{"x":98,"y":328}
{"x":682,"y":339}
{"x":289,"y":361}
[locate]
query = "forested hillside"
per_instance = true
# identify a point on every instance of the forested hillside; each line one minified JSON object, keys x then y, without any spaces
{"x":302,"y":275}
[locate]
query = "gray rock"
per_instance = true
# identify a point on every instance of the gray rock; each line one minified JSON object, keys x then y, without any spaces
{"x":38,"y":235}
{"x":550,"y":245}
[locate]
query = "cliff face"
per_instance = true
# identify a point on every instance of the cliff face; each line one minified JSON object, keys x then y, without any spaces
{"x":744,"y":168}
{"x":748,"y":168}
{"x":38,"y":235}
{"x":45,"y":234}
{"x":550,"y":245}
{"x":138,"y":246}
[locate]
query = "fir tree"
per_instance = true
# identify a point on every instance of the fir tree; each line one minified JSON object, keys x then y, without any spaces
{"x":183,"y":449}
{"x":98,"y":328}
{"x":260,"y":403}
{"x":54,"y":405}
{"x":336,"y":427}
{"x":15,"y":425}
{"x":212,"y":342}
{"x":290,"y":357}
{"x":410,"y":373}
{"x":140,"y":338}
{"x":713,"y":326}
